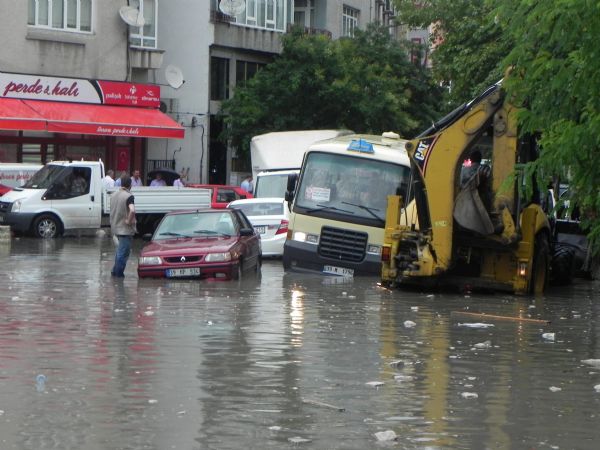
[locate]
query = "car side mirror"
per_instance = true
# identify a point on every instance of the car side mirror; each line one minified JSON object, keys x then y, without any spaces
{"x":246,"y":231}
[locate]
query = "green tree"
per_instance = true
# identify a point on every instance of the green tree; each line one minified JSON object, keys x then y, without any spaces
{"x":366,"y":84}
{"x":469,"y":43}
{"x":556,"y":76}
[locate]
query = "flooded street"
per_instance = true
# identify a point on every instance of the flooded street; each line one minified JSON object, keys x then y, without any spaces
{"x":284,"y":361}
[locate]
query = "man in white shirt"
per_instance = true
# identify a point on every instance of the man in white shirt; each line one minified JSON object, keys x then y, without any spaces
{"x":136,"y":180}
{"x":108,"y":181}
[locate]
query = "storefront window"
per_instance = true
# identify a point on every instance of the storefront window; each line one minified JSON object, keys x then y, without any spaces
{"x":8,"y":152}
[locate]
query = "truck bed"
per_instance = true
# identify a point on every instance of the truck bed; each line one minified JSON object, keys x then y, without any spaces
{"x":156,"y":200}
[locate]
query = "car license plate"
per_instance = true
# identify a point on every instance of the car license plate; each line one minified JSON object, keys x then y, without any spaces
{"x":186,"y":272}
{"x":342,"y":271}
{"x":261,"y":229}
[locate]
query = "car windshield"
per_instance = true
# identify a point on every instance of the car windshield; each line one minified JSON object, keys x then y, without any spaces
{"x":197,"y":224}
{"x":260,"y":209}
{"x":347,"y":185}
{"x":45,"y":177}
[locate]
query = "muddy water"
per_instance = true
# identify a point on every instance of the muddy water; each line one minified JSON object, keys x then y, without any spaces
{"x":88,"y":362}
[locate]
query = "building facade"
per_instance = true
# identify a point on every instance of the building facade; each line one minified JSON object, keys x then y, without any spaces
{"x":66,"y":90}
{"x":194,"y":51}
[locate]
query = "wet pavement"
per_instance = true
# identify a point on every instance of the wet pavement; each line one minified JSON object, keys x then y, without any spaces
{"x":284,"y":361}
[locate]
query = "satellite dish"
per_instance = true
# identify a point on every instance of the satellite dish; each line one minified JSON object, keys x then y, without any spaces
{"x":174,"y":76}
{"x":232,"y":7}
{"x":132,"y":16}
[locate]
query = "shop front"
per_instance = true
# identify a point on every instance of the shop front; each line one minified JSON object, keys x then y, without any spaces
{"x":46,"y":119}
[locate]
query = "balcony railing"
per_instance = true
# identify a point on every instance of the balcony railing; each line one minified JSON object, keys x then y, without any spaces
{"x":310,"y":30}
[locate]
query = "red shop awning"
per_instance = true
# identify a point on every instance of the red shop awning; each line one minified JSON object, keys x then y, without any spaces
{"x":15,"y":115}
{"x":106,"y":120}
{"x":57,"y":117}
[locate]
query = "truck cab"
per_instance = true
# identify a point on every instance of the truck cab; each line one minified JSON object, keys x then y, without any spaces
{"x":61,"y":195}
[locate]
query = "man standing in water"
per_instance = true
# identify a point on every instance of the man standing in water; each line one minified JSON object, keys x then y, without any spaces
{"x":122,"y":224}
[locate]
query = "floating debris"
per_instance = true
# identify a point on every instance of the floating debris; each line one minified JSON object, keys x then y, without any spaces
{"x":485,"y":344}
{"x":386,"y":436}
{"x":549,"y":336}
{"x":597,"y":388}
{"x":409,"y":324}
{"x":414,"y":308}
{"x":555,"y":389}
{"x":374,"y":383}
{"x":298,"y":440}
{"x":469,"y":395}
{"x":323,"y":405}
{"x":397,"y":363}
{"x":476,"y":325}
{"x":592,"y":362}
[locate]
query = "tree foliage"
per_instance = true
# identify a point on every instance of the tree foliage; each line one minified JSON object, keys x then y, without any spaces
{"x":469,"y":44}
{"x":556,"y":75}
{"x":366,"y":84}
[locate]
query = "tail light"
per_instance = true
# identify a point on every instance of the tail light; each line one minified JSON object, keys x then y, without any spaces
{"x":283,"y":227}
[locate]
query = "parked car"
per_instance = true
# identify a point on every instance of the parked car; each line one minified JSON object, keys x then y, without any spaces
{"x":4,"y":189}
{"x":223,"y":194}
{"x":209,"y":243}
{"x":270,"y":218}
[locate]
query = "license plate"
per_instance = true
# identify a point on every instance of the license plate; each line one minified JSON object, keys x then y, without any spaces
{"x":186,"y":272}
{"x":261,"y":229}
{"x":342,"y":271}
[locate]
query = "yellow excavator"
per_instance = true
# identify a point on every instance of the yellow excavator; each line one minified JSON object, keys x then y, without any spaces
{"x":467,"y":223}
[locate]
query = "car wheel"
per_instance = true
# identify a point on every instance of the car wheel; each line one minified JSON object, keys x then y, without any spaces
{"x":47,"y":226}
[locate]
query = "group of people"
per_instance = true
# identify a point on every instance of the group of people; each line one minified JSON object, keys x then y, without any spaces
{"x":109,"y":180}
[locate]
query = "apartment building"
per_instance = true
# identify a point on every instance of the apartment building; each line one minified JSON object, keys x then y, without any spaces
{"x":66,"y":84}
{"x":184,"y":57}
{"x":219,"y":44}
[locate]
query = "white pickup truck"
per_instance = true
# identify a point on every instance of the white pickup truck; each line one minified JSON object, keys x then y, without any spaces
{"x":70,"y":195}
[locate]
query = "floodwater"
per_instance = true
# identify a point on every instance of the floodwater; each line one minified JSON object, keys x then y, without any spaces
{"x":284,"y":361}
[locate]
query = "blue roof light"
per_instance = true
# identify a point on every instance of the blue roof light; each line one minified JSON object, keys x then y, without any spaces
{"x":361,"y":146}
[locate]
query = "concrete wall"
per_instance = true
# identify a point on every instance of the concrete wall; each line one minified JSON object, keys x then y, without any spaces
{"x":101,"y":54}
{"x":186,"y":34}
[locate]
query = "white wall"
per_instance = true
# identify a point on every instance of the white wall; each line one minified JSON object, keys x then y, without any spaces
{"x":185,"y":33}
{"x":101,"y":54}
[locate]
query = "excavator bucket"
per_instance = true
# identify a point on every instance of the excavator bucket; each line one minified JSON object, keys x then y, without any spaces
{"x":469,"y":211}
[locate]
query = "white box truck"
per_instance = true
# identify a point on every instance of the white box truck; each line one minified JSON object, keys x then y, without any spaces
{"x":276,"y":155}
{"x":65,"y":196}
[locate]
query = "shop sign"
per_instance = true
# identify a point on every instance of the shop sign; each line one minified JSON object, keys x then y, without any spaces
{"x":74,"y":90}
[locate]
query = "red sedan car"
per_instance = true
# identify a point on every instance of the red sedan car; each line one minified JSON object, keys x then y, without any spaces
{"x":223,"y":194}
{"x":219,"y":244}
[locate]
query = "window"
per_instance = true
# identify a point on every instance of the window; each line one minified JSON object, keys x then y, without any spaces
{"x":145,"y":36}
{"x":244,"y":70}
{"x":267,"y":14}
{"x":66,"y":15}
{"x":304,"y":13}
{"x":349,"y":21}
{"x":219,"y":78}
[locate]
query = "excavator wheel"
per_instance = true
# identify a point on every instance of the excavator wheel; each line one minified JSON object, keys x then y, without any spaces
{"x":541,"y":264}
{"x":562,"y":267}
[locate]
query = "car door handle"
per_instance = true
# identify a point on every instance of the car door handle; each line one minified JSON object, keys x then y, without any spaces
{"x":91,"y":197}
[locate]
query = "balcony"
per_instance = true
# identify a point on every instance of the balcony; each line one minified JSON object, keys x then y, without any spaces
{"x":146,"y":58}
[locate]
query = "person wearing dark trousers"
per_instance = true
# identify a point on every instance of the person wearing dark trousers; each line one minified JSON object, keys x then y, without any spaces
{"x":122,"y":224}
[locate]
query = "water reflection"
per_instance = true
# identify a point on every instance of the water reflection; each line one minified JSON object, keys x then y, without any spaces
{"x":269,"y":363}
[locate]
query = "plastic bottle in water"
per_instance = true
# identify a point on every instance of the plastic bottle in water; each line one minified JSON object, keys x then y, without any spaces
{"x":40,"y":382}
